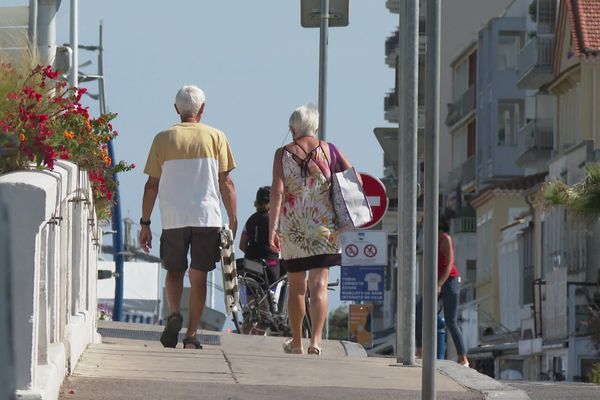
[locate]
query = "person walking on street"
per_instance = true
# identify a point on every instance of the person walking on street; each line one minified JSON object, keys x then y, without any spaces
{"x":254,"y":240}
{"x":302,"y":224}
{"x":448,"y":290}
{"x":188,"y":168}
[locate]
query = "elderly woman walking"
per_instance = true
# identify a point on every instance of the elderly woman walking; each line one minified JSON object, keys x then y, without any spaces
{"x":302,"y":226}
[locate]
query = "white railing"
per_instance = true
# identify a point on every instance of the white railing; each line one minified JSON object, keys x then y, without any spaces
{"x":49,"y":244}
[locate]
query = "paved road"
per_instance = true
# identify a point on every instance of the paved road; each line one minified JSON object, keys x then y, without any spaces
{"x":559,"y":390}
{"x":247,"y":368}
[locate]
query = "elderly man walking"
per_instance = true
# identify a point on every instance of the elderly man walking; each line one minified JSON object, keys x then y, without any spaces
{"x":189,"y":169}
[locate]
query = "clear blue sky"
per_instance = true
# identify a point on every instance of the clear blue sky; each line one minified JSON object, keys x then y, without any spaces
{"x":255,"y":63}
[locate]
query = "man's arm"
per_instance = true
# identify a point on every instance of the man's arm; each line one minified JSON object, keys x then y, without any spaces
{"x":227,"y":189}
{"x":148,"y":201}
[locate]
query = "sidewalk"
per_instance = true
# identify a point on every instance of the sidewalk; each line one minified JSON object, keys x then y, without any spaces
{"x":254,"y":367}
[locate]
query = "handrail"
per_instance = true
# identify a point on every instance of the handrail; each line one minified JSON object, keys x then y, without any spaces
{"x":53,"y":267}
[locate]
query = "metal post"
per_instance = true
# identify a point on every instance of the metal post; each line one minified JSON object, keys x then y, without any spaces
{"x":46,"y":30}
{"x":323,"y":66}
{"x":74,"y":34}
{"x":33,"y":20}
{"x":430,"y":238}
{"x":117,"y":226}
{"x":407,"y":180}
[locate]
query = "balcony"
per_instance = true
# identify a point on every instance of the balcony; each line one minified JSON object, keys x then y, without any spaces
{"x":463,"y":175}
{"x":463,"y":225}
{"x":535,"y":62}
{"x":462,"y":107}
{"x":392,"y":48}
{"x":535,"y":142}
{"x":392,"y":110}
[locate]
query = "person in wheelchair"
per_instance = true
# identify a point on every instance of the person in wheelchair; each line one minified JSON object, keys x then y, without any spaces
{"x":254,"y":241}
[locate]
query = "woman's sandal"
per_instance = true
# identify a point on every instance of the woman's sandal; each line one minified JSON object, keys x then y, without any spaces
{"x":314,"y":350}
{"x":193,"y":340}
{"x":288,"y":349}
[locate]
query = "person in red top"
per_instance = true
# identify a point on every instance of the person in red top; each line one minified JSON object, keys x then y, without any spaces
{"x":448,"y":289}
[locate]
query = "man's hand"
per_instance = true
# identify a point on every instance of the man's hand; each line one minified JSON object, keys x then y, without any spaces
{"x":146,"y":238}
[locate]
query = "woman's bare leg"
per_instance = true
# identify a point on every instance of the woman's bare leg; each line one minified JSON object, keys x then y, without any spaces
{"x":319,"y":307}
{"x":296,"y":307}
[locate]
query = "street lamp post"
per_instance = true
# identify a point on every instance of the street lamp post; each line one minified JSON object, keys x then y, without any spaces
{"x":431,"y":197}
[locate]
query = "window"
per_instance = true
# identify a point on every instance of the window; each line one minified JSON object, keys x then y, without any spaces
{"x":510,"y":119}
{"x":527,"y":257}
{"x":471,"y":271}
{"x":509,"y":44}
{"x":461,"y":79}
{"x":471,"y":139}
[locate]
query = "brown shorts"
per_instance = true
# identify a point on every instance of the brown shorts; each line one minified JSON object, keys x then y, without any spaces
{"x":176,"y":243}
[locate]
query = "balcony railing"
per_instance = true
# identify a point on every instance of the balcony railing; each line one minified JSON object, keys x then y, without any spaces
{"x":534,"y":61}
{"x":535,"y":141}
{"x":391,"y":100}
{"x":462,"y":174}
{"x":461,"y":107}
{"x":468,"y":170}
{"x":391,"y":43}
{"x":463,"y":225}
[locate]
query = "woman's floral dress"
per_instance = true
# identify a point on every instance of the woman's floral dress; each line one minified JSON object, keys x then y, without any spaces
{"x":306,"y":224}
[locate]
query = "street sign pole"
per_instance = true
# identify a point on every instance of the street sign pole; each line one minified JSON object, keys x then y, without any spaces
{"x":323,"y":31}
{"x":407,"y":182}
{"x":430,"y":238}
{"x":323,"y":14}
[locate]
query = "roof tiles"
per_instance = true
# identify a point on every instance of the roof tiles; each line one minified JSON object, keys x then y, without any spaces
{"x":584,"y":16}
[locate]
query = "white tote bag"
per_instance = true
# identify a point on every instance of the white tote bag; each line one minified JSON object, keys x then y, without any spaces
{"x":350,"y":203}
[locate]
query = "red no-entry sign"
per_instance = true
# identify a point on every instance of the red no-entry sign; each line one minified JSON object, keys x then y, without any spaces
{"x":375,"y":191}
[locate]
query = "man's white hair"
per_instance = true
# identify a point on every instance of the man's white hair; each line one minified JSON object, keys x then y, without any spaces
{"x":305,"y":121}
{"x":188,"y":100}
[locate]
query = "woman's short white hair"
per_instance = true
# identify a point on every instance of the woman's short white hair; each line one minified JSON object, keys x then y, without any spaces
{"x":188,"y":100}
{"x":304,"y":121}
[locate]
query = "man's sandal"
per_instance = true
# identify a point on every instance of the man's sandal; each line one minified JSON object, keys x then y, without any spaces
{"x":314,"y":350}
{"x":288,"y":349}
{"x":193,"y":340}
{"x":170,"y":334}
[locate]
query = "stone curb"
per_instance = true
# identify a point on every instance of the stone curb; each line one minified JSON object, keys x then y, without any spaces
{"x":473,"y":380}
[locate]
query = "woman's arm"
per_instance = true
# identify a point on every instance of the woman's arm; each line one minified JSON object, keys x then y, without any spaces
{"x":276,"y":201}
{"x":448,"y":252}
{"x":345,"y":163}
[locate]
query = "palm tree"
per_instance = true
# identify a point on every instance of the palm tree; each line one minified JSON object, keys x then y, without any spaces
{"x":582,"y":198}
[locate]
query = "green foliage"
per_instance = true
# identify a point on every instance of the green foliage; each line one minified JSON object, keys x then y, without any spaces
{"x":533,"y":10}
{"x":42,"y":121}
{"x":582,"y":198}
{"x":594,"y":374}
{"x":338,"y":323}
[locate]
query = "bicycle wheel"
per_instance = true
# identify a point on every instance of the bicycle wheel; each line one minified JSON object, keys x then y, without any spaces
{"x":255,"y":307}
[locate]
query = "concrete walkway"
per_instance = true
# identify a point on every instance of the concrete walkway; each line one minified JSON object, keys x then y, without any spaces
{"x":255,"y":367}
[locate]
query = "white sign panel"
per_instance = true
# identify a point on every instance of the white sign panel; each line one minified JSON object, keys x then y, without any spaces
{"x":364,"y":248}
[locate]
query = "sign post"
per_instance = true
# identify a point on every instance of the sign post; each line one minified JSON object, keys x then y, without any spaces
{"x":322,"y":14}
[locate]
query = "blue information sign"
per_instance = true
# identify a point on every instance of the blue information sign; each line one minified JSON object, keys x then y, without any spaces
{"x":361,"y":283}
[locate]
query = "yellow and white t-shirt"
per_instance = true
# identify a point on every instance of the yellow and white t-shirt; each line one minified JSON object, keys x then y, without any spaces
{"x":187,"y":158}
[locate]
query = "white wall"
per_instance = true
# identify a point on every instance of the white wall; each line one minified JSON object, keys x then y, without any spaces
{"x":51,"y":320}
{"x":7,"y":381}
